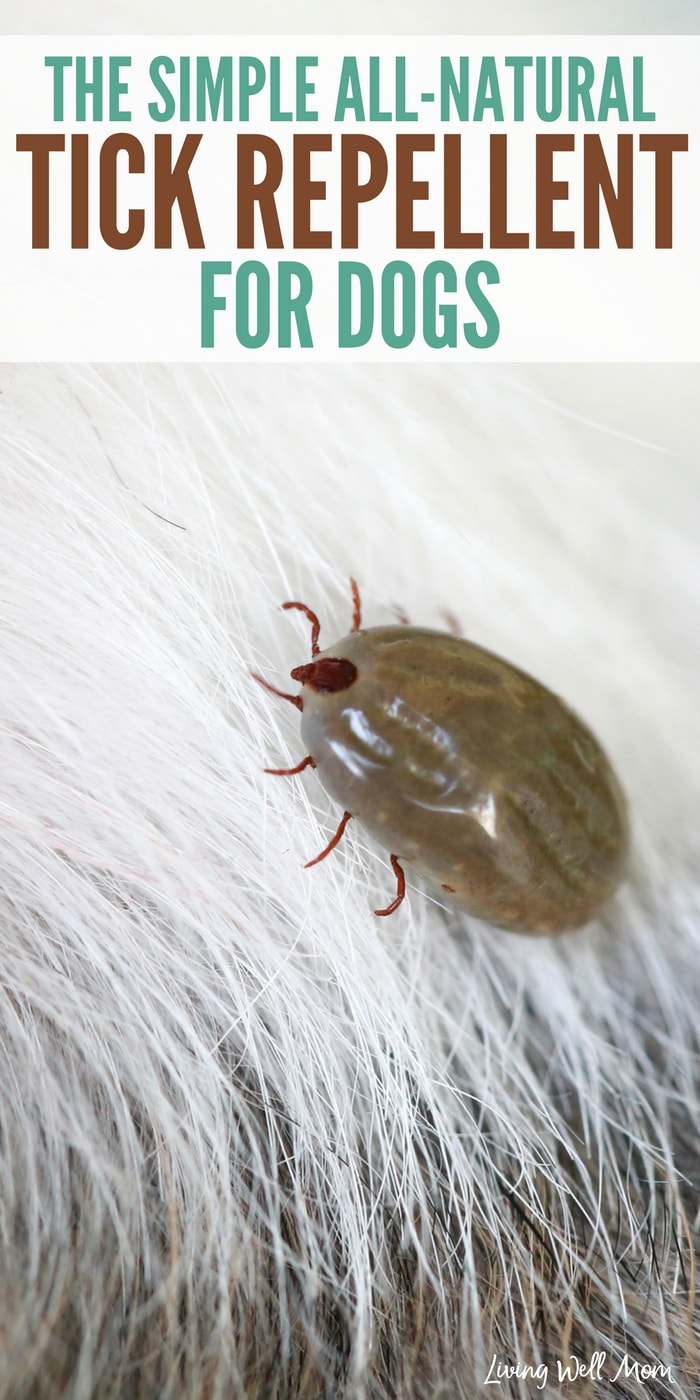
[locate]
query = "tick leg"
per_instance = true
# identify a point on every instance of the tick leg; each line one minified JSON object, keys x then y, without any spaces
{"x":356,"y":607}
{"x":453,"y":623}
{"x":315,"y":624}
{"x":333,"y":841}
{"x":402,"y":616}
{"x":293,"y":699}
{"x":400,"y":890}
{"x":307,"y":762}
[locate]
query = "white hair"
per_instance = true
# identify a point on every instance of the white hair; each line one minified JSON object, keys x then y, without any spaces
{"x":254,"y":1140}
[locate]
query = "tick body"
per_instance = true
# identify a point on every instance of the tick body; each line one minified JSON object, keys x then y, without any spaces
{"x":469,"y":770}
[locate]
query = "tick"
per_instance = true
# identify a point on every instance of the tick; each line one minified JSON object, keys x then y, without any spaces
{"x":466,"y":768}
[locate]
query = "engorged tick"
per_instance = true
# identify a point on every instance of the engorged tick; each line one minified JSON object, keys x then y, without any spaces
{"x":473,"y":771}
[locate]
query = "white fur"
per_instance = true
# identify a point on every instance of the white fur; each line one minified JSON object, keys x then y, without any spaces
{"x":254,"y":1140}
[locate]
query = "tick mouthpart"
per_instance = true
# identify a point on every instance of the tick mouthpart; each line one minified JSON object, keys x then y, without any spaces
{"x":326,"y":675}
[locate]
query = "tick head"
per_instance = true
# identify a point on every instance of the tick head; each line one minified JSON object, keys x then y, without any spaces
{"x":326,"y":674}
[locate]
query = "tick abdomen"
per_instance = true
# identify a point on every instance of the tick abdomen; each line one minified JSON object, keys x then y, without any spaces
{"x":473,"y":772}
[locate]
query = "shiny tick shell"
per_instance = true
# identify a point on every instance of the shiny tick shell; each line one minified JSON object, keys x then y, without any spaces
{"x":471,"y":771}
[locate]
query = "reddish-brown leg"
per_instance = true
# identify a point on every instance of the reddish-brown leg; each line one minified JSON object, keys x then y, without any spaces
{"x":356,"y":607}
{"x":293,"y":699}
{"x":315,"y":624}
{"x":453,"y":624}
{"x":332,"y":843}
{"x":402,"y":616}
{"x":400,"y":890}
{"x":307,"y":762}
